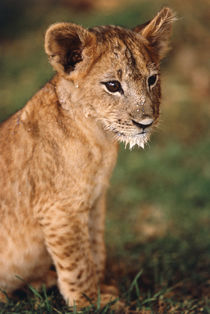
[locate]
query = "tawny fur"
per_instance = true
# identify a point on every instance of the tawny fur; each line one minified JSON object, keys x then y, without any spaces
{"x":58,"y":152}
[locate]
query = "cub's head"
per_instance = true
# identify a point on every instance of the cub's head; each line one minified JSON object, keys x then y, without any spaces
{"x":112,"y":73}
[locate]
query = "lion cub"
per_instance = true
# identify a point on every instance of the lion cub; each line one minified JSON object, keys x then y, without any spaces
{"x":58,"y":153}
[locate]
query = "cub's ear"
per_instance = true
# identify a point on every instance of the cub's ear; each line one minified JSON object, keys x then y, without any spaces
{"x":69,"y":47}
{"x":158,"y":30}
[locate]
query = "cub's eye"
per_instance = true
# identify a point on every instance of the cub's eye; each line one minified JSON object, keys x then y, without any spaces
{"x":113,"y":86}
{"x":152,"y":80}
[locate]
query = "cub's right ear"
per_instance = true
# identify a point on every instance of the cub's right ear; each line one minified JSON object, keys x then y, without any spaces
{"x":158,"y":30}
{"x":69,"y":47}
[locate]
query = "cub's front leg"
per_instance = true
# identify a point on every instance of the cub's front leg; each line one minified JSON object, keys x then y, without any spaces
{"x":98,"y":248}
{"x":67,"y":240}
{"x":96,"y":231}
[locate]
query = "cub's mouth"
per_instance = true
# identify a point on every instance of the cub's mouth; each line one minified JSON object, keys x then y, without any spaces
{"x":138,"y":133}
{"x":139,"y":139}
{"x":130,"y":132}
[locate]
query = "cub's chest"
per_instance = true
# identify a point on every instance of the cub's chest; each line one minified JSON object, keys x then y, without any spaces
{"x":101,"y":177}
{"x":87,"y":165}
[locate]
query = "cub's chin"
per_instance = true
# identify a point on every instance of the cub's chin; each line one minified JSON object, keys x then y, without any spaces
{"x":129,"y":137}
{"x":139,"y":139}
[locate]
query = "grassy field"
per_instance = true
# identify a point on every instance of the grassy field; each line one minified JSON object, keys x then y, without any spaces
{"x":158,"y":218}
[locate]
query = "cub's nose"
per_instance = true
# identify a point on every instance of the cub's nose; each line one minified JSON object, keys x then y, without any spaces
{"x":143,"y":124}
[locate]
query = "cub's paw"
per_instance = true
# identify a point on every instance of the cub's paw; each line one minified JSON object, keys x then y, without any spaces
{"x":109,"y":289}
{"x":103,"y":300}
{"x":49,"y":281}
{"x":107,"y":299}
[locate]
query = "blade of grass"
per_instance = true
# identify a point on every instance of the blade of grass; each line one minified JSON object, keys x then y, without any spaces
{"x":98,"y":299}
{"x":133,"y":285}
{"x":48,"y":305}
{"x":35,"y":292}
{"x":74,"y":308}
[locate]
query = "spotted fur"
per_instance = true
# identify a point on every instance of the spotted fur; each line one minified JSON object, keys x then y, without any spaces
{"x":58,"y":152}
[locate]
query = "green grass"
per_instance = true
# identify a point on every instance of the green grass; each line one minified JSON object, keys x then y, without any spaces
{"x":158,"y":217}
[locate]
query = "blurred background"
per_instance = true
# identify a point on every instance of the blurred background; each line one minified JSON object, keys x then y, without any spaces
{"x":159,"y":200}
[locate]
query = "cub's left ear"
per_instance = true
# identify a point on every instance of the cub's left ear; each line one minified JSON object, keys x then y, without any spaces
{"x":158,"y":30}
{"x":70,"y":48}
